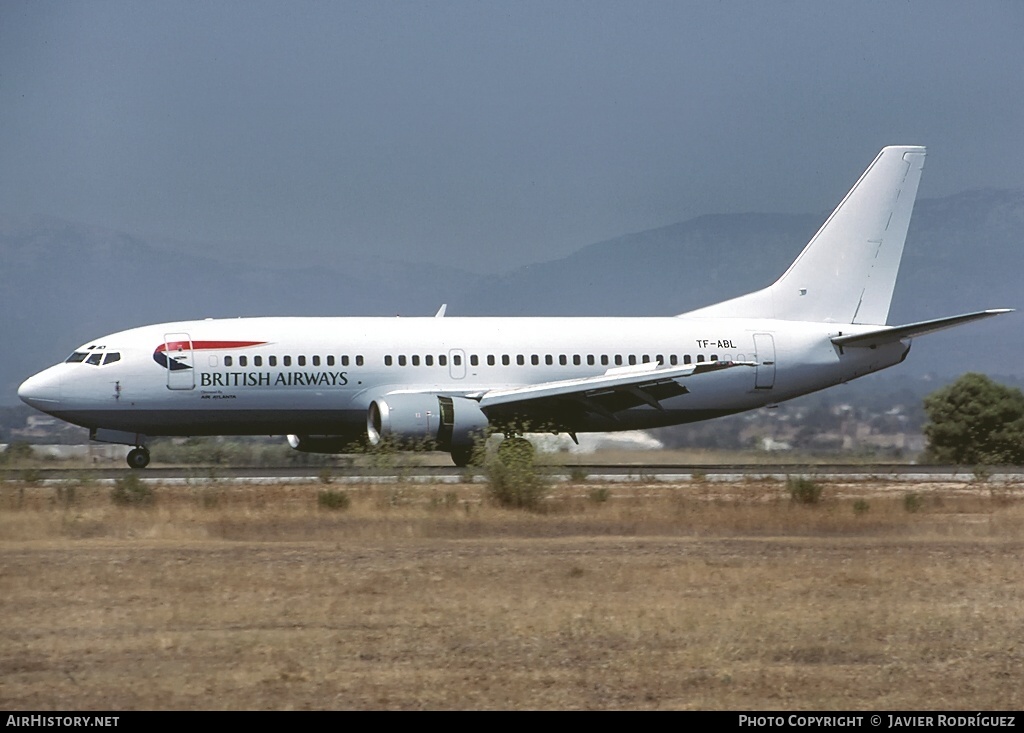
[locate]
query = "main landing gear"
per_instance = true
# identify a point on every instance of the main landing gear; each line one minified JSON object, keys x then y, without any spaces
{"x":138,"y":458}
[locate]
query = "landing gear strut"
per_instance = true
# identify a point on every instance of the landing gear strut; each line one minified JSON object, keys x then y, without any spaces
{"x":138,"y":458}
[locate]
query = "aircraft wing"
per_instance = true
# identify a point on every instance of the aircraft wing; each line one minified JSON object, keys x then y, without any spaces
{"x":889,"y":334}
{"x":617,"y":389}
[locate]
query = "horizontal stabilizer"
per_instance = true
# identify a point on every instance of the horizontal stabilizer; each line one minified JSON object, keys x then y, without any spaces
{"x":890,"y":334}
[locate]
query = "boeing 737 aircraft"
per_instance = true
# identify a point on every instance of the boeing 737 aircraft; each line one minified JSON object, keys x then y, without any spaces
{"x":327,"y":383}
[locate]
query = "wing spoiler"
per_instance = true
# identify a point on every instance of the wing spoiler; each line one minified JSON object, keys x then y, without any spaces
{"x":890,"y":334}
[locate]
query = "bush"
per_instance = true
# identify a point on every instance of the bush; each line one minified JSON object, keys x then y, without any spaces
{"x":31,"y":476}
{"x":512,"y":476}
{"x":129,"y":490}
{"x":803,"y":490}
{"x":333,"y":499}
{"x":912,"y":502}
{"x":860,"y":506}
{"x":578,"y":474}
{"x":16,"y":452}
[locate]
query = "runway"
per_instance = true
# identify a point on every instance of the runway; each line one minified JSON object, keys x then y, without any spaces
{"x":618,"y":473}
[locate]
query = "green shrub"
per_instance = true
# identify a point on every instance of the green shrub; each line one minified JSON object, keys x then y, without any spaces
{"x":16,"y":452}
{"x":912,"y":501}
{"x":578,"y":474}
{"x":449,"y":500}
{"x":860,"y":506}
{"x":333,"y":499}
{"x":512,"y":476}
{"x":31,"y":476}
{"x":129,"y":490}
{"x":599,"y":494}
{"x":803,"y":490}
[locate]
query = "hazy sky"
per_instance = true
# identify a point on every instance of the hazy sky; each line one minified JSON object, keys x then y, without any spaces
{"x":487,"y":134}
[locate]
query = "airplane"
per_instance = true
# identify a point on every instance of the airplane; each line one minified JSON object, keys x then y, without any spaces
{"x":330,"y":382}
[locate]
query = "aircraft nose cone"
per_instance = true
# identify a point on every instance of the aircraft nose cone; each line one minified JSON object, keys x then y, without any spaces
{"x":41,"y":391}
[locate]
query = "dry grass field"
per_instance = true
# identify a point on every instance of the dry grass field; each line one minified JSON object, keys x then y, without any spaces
{"x":699,"y":595}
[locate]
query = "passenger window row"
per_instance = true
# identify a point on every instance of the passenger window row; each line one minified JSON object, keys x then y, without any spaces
{"x":547,"y":359}
{"x":272,"y":361}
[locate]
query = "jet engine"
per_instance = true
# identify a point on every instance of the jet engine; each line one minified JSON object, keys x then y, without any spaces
{"x":426,"y":420}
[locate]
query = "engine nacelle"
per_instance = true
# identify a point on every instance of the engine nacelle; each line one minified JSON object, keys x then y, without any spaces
{"x":346,"y":443}
{"x":430,"y":421}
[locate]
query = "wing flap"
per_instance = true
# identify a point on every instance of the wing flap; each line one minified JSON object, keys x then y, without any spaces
{"x":890,"y":334}
{"x":610,"y":392}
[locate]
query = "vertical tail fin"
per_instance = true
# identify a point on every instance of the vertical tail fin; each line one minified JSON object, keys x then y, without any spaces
{"x":847,"y":272}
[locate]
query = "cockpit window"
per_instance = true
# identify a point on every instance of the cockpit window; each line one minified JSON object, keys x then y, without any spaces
{"x":76,"y":357}
{"x":112,"y":356}
{"x":95,"y":358}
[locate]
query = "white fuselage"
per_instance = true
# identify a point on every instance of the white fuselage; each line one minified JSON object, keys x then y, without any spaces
{"x":267,"y":376}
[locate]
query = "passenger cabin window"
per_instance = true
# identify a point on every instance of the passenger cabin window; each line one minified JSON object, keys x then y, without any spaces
{"x":387,"y":360}
{"x":428,"y":360}
{"x":243,"y":361}
{"x":228,"y":361}
{"x":330,"y":360}
{"x":257,"y":361}
{"x":316,"y":361}
{"x":302,"y":361}
{"x":415,"y":360}
{"x":287,"y":360}
{"x":272,"y":360}
{"x":456,"y":360}
{"x":474,"y":360}
{"x":442,"y":360}
{"x":359,"y":360}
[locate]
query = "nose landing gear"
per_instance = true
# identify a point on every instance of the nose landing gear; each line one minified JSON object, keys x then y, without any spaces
{"x":138,"y":458}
